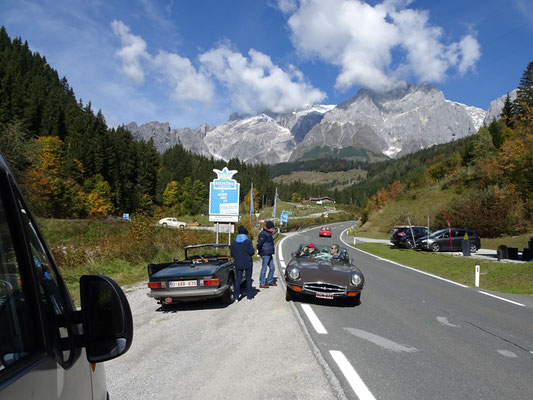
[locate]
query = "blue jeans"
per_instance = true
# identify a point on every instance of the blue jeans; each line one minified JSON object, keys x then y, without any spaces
{"x":268,"y":261}
{"x":238,"y":277}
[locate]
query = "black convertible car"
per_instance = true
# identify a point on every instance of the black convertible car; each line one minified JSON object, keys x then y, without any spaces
{"x":206,"y":272}
{"x":323,"y":272}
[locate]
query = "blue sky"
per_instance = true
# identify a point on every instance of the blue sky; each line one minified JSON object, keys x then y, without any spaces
{"x":191,"y":62}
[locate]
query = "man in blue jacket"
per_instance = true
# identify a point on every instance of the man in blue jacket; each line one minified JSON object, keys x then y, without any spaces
{"x":242,"y":250}
{"x":265,"y":247}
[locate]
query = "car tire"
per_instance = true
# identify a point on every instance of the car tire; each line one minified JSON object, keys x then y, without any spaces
{"x":353,"y":301}
{"x":435,"y":247}
{"x":164,"y":224}
{"x":182,"y":226}
{"x":291,"y":295}
{"x":227,"y":297}
{"x":473,"y":248}
{"x":409,"y":244}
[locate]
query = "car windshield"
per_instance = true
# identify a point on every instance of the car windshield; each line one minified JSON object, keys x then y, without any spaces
{"x":436,"y":234}
{"x":207,"y":250}
{"x":324,"y":252}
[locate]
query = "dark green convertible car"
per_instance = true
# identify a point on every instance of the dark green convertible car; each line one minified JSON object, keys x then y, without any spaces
{"x":206,"y":272}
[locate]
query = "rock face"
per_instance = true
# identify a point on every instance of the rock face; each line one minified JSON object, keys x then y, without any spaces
{"x":164,"y":137}
{"x":393,"y":123}
{"x":496,"y":107}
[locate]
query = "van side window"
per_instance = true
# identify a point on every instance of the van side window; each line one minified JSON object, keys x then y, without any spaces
{"x":49,"y":293}
{"x":17,"y":327}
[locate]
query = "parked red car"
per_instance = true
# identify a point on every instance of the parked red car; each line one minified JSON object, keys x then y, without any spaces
{"x":325,"y":231}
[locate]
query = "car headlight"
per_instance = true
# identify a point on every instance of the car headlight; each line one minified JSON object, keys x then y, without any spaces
{"x":294,"y":273}
{"x":356,"y":280}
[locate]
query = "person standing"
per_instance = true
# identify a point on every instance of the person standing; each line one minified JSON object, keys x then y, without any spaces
{"x":242,"y":250}
{"x":265,"y":247}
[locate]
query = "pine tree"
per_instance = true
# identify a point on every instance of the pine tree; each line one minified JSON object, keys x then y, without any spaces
{"x":524,"y":95}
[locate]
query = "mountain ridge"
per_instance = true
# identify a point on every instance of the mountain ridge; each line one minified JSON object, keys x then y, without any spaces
{"x":392,"y":123}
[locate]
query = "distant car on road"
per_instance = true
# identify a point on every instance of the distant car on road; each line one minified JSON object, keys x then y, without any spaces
{"x":325,"y":231}
{"x":440,"y":240}
{"x":401,"y":235}
{"x":322,"y":273}
{"x":206,"y":272}
{"x":172,"y":222}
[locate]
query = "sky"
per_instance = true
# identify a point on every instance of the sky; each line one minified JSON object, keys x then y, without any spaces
{"x":189,"y":62}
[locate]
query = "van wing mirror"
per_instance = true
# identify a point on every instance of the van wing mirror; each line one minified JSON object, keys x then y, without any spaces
{"x":106,"y":318}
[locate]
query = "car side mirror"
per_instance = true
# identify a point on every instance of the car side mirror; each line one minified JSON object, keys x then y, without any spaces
{"x":106,"y":318}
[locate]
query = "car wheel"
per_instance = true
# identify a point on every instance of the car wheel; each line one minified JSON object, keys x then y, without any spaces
{"x":164,"y":224}
{"x":289,"y":295}
{"x":182,"y":226}
{"x":227,"y":297}
{"x":435,"y":247}
{"x":409,"y":244}
{"x":473,"y":247}
{"x":353,"y":301}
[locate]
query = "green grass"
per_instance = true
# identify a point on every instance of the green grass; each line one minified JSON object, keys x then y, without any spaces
{"x":519,"y":241}
{"x":503,"y":277}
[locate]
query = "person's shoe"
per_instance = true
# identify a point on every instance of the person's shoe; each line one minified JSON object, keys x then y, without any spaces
{"x":273,"y":284}
{"x":249,"y":300}
{"x":265,"y":286}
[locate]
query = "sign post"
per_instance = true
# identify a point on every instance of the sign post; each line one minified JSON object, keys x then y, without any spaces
{"x":224,"y":199}
{"x":476,"y":279}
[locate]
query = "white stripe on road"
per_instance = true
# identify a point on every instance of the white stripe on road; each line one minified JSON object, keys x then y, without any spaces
{"x":501,"y":298}
{"x":319,"y":328}
{"x":355,"y":381}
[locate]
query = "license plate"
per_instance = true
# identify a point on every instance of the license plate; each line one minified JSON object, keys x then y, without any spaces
{"x":173,"y":284}
{"x":324,"y":296}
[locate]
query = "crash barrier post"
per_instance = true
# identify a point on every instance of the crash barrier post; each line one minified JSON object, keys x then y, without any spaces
{"x":477,"y":272}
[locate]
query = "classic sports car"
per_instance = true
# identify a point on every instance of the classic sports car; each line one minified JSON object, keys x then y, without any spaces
{"x":323,"y":272}
{"x":325,"y":231}
{"x":207,"y":271}
{"x":170,"y":221}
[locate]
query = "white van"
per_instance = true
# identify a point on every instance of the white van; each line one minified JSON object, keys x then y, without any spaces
{"x":48,"y":348}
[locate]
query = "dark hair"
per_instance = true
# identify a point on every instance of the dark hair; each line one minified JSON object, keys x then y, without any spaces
{"x":242,"y":230}
{"x":269,"y":225}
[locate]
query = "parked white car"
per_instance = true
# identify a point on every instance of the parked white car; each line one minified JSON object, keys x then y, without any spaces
{"x":172,"y":222}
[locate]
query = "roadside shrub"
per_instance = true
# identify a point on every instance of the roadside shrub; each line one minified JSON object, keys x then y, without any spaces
{"x":491,"y":212}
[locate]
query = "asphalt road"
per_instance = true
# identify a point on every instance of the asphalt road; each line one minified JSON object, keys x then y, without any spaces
{"x":205,"y":350}
{"x":418,"y":337}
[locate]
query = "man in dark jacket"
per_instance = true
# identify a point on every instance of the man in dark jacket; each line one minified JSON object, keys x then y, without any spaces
{"x":242,"y":250}
{"x":265,"y":247}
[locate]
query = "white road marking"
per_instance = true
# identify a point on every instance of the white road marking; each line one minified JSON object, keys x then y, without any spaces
{"x":501,"y":298}
{"x":444,"y":321}
{"x":353,"y":378}
{"x":319,"y":328}
{"x":507,"y":353}
{"x":381,"y":341}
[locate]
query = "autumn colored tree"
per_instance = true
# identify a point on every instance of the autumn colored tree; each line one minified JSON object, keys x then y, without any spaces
{"x":171,"y":195}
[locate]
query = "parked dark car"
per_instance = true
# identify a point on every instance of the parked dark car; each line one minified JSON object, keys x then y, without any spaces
{"x":206,"y":272}
{"x":440,"y":240}
{"x":402,"y":237}
{"x":322,"y":273}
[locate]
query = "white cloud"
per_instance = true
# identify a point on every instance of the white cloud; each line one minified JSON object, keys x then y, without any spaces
{"x":132,"y":52}
{"x":187,"y":83}
{"x":256,"y":84}
{"x":362,"y":39}
{"x":470,"y":53}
